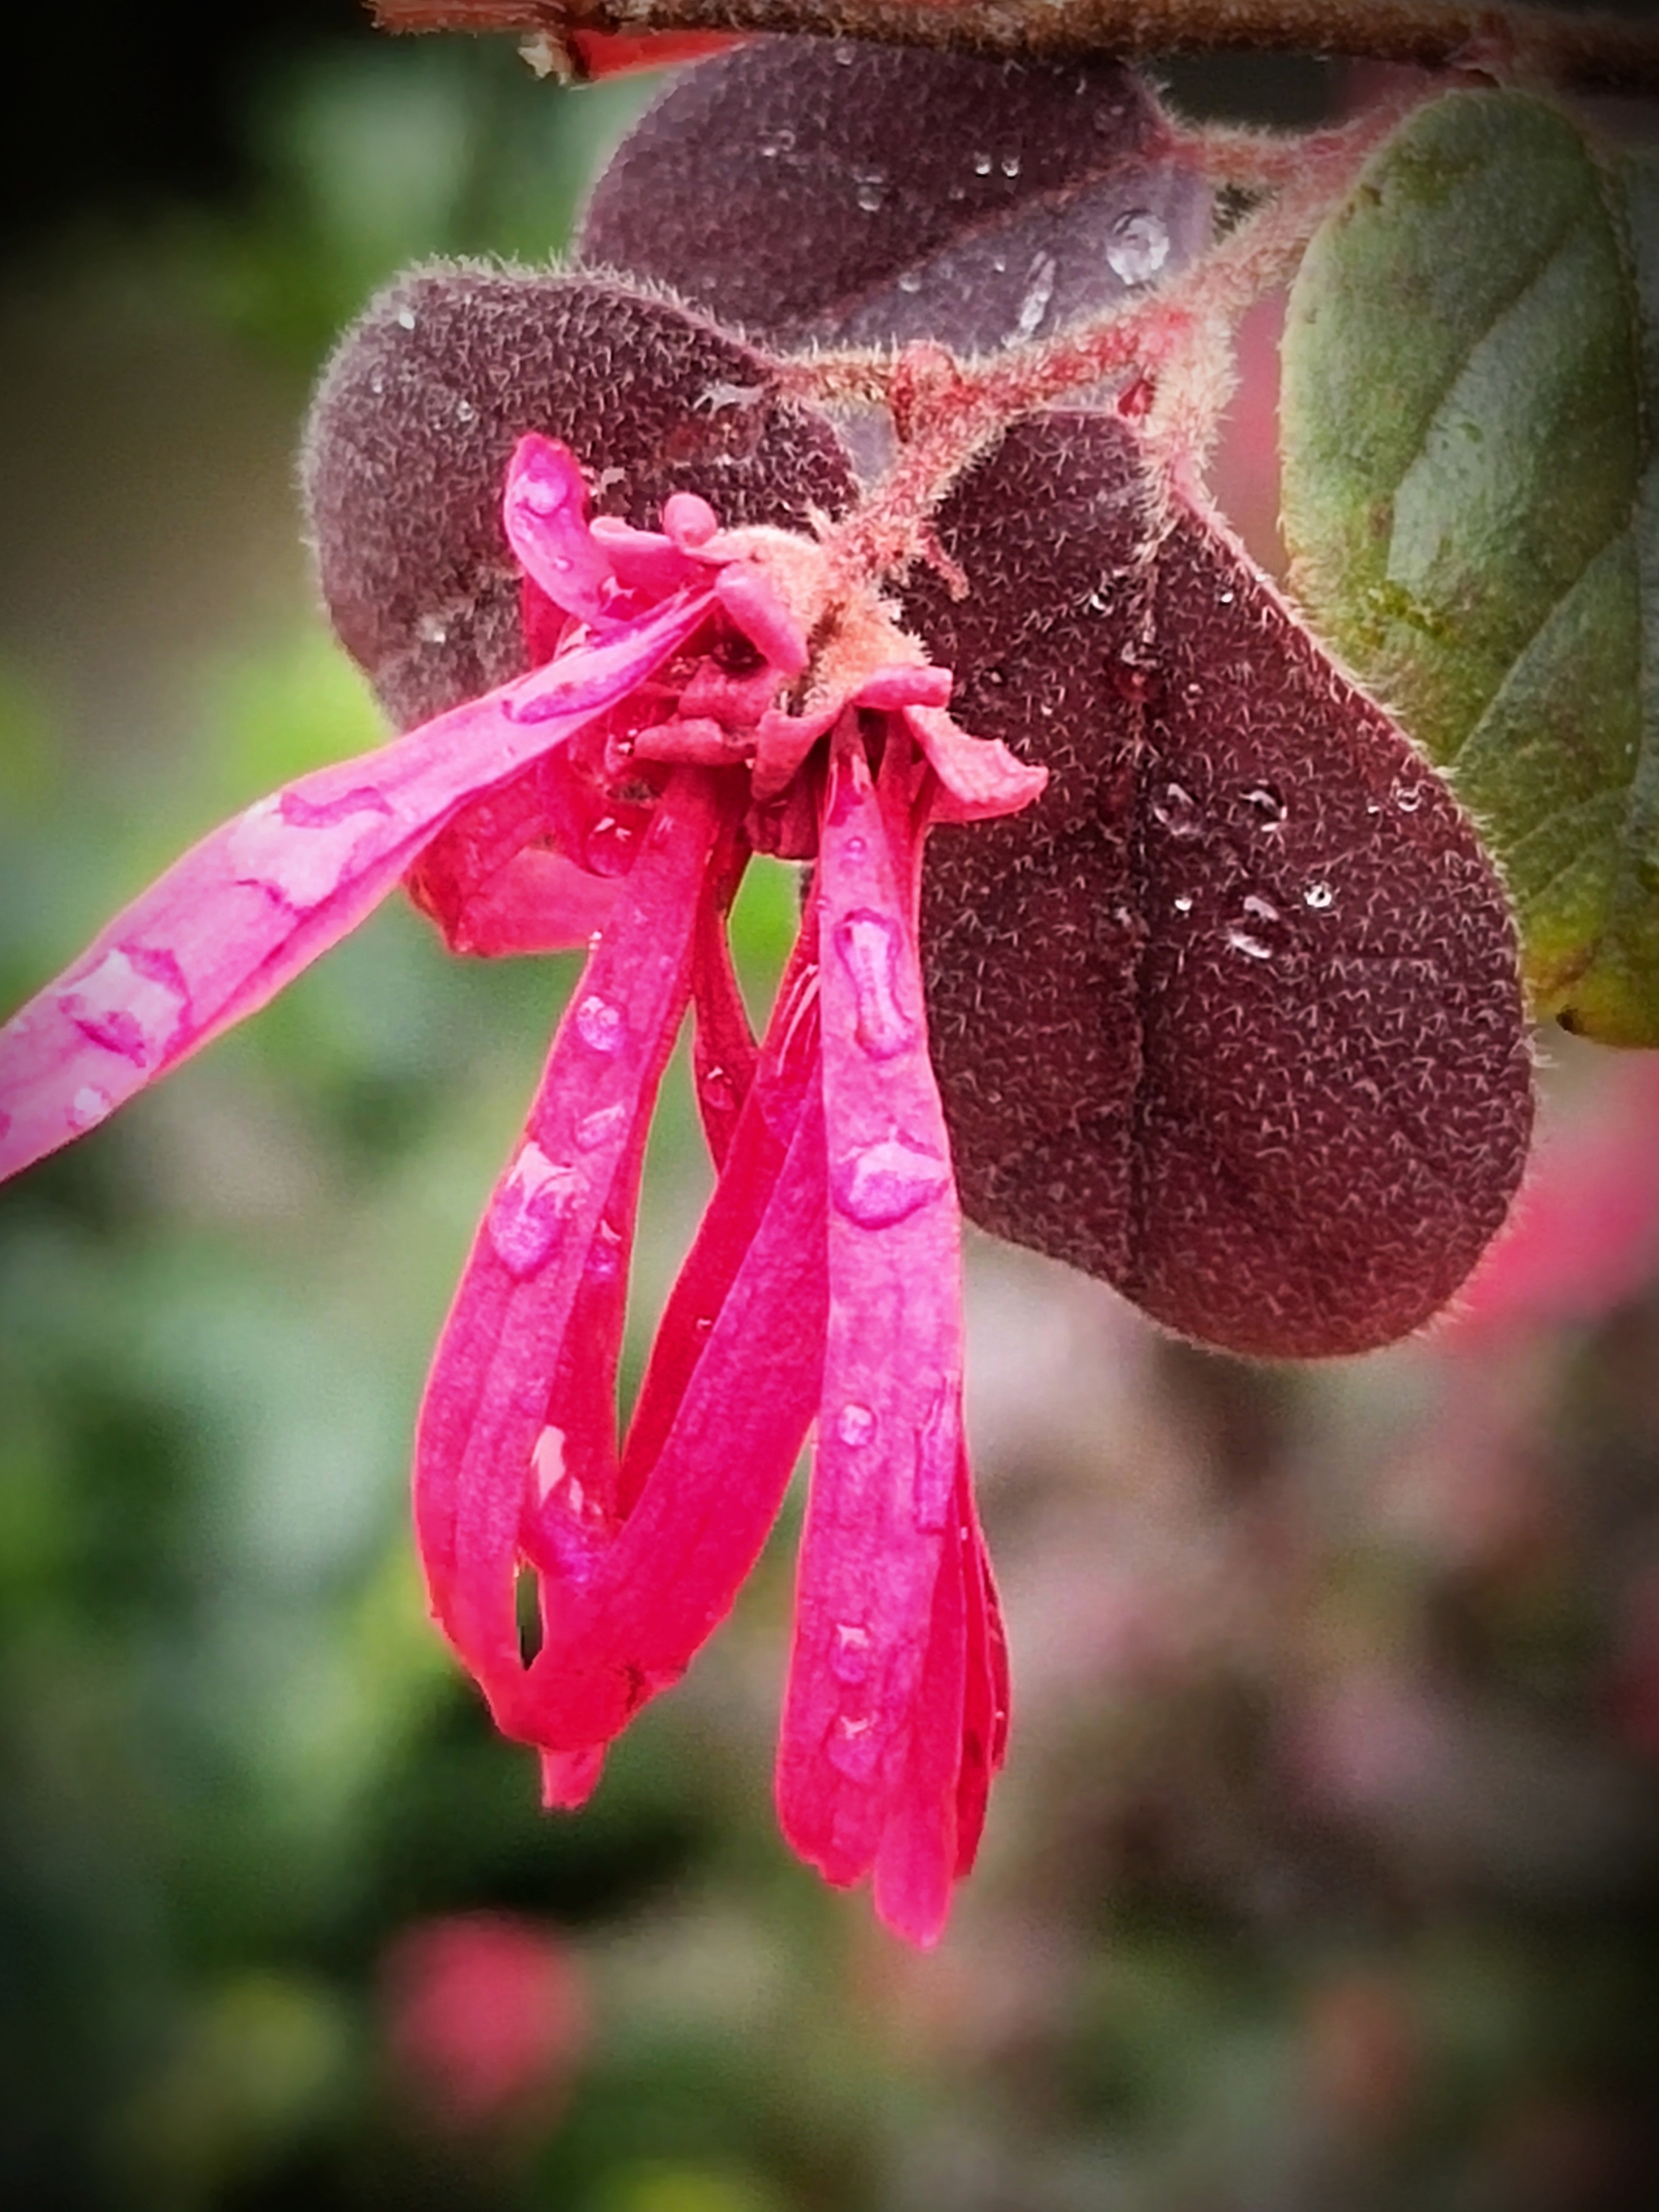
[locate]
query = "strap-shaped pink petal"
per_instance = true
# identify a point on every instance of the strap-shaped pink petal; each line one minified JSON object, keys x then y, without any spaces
{"x":786,"y":1076}
{"x":882,"y":1504}
{"x":486,"y":1400}
{"x":261,"y":897}
{"x":625,"y":1621}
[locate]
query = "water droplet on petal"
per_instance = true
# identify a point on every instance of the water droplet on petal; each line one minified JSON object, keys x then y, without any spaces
{"x":1260,"y":909}
{"x":882,"y":1183}
{"x":1176,"y":809}
{"x":853,"y":1747}
{"x":1319,"y":896}
{"x":529,"y":1211}
{"x":871,"y":189}
{"x":1039,"y":290}
{"x":608,"y":846}
{"x":1137,"y":246}
{"x":1266,"y":808}
{"x":1408,"y":797}
{"x":844,"y":57}
{"x":133,"y":1002}
{"x":300,"y":854}
{"x":465,"y":411}
{"x":406,"y":319}
{"x":717,"y":1091}
{"x":1182,"y":901}
{"x":869,"y":945}
{"x":909,"y":280}
{"x":982,"y":164}
{"x":88,"y":1107}
{"x":1011,"y":165}
{"x":432,"y":630}
{"x":855,"y":1425}
{"x":600,"y":1026}
{"x":600,"y":1127}
{"x":849,"y":1657}
{"x":604,"y":1253}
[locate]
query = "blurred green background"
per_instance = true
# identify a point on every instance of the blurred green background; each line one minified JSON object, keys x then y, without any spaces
{"x":1325,"y":1872}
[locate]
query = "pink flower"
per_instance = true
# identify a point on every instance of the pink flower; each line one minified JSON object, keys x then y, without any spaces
{"x":485,"y":2017}
{"x":677,"y":720}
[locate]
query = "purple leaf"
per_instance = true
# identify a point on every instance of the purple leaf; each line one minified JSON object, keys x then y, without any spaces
{"x":1231,"y":1015}
{"x":803,"y":190}
{"x":423,"y":404}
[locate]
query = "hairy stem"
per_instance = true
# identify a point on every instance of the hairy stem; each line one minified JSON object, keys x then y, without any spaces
{"x":1597,"y":51}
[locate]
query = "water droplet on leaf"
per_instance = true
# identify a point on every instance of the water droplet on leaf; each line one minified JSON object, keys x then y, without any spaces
{"x":1137,"y":246}
{"x":1176,"y":809}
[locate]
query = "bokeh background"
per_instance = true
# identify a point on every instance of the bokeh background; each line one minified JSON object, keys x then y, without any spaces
{"x":1324,"y":1876}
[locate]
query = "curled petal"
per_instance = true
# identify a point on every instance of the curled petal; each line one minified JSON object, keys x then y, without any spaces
{"x":980,"y":777}
{"x":544,"y":513}
{"x":251,"y":906}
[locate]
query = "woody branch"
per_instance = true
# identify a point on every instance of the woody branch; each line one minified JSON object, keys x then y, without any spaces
{"x":1599,"y":52}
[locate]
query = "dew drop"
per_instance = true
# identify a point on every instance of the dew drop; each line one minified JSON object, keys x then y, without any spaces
{"x":849,"y":1656}
{"x":909,"y":280}
{"x":1184,"y":901}
{"x":608,"y":845}
{"x":717,"y":1091}
{"x":298,"y":853}
{"x":868,"y":945}
{"x":1176,"y":811}
{"x":1318,"y":896}
{"x":1137,"y":246}
{"x":853,"y":1747}
{"x":1408,"y":797}
{"x":870,"y":189}
{"x":600,"y":1026}
{"x":406,"y":319}
{"x":88,"y":1107}
{"x":1039,"y":290}
{"x":600,"y":1127}
{"x":855,"y":848}
{"x":465,"y":411}
{"x":377,"y":383}
{"x":133,"y":1003}
{"x":1011,"y":165}
{"x":529,"y":1211}
{"x":432,"y":630}
{"x":855,"y":1425}
{"x":604,"y":1253}
{"x":1260,"y":909}
{"x":1266,"y":808}
{"x":879,"y":1184}
{"x":1252,"y":947}
{"x":982,"y":164}
{"x":844,"y":57}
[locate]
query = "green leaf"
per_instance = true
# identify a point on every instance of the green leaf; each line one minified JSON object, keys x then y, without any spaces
{"x":1471,"y":489}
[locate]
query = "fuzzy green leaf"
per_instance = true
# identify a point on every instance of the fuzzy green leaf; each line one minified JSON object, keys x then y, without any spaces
{"x":1471,"y":392}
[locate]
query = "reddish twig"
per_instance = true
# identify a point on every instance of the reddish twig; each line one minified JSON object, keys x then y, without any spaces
{"x":1597,"y":51}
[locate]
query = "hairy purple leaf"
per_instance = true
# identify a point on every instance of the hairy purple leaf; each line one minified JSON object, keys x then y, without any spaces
{"x":1231,"y":1016}
{"x":807,"y":190}
{"x":423,"y":403}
